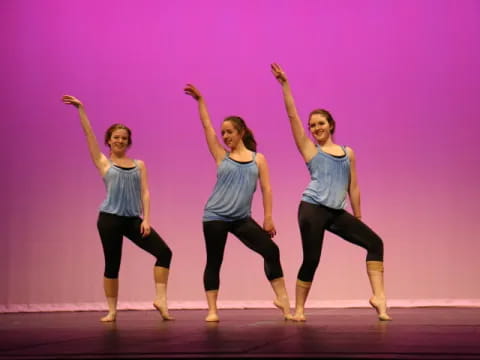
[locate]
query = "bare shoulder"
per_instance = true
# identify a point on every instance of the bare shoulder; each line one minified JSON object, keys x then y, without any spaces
{"x":141,"y":164}
{"x":260,"y":156}
{"x":260,"y":159}
{"x":103,"y":164}
{"x":350,"y":152}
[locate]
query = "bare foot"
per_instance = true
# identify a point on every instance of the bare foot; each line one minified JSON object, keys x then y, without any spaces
{"x":299,"y":316}
{"x":380,"y":305}
{"x":110,"y":317}
{"x":284,"y":306}
{"x":212,"y":317}
{"x":162,"y":309}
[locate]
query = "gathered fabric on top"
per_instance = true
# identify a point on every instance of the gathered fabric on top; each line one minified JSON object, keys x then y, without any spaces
{"x":232,"y":195}
{"x":330,"y":179}
{"x":123,"y":191}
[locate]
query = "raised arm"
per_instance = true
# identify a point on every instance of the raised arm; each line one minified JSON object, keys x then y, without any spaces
{"x":304,"y":144}
{"x":264,"y":178}
{"x":98,"y":158}
{"x":354,"y":189}
{"x":216,"y":149}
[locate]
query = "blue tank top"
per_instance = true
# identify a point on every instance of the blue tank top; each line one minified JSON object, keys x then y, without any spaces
{"x":330,"y":179}
{"x":233,"y":192}
{"x":123,"y":191}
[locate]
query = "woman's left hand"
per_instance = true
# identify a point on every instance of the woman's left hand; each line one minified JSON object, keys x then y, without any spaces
{"x":145,"y":228}
{"x":269,"y":227}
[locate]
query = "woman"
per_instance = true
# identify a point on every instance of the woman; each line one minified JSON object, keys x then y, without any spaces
{"x":128,"y":199}
{"x":333,"y":176}
{"x":229,"y":207}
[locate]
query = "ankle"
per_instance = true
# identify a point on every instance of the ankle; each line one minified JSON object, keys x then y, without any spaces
{"x":378,"y":298}
{"x":299,"y":310}
{"x":110,"y":317}
{"x":160,"y":299}
{"x":212,"y":316}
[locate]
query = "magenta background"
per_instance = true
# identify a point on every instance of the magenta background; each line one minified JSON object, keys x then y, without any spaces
{"x":402,"y":79}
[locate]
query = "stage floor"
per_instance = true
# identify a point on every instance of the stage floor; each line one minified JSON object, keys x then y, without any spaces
{"x":414,"y":333}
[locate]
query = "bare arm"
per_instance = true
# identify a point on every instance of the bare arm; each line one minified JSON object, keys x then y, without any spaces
{"x":264,"y":178}
{"x":304,"y":144}
{"x":354,"y":189}
{"x":145,"y":193}
{"x":98,"y":158}
{"x":216,"y":149}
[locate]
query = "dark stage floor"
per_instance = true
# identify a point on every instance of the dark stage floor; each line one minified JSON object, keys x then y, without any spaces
{"x":415,"y":333}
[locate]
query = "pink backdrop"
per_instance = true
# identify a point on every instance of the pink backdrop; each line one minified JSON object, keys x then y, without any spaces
{"x":401,"y":78}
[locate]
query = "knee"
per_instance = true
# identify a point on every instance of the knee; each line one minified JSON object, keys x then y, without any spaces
{"x":168,"y":255}
{"x":273,"y":251}
{"x":164,"y":258}
{"x":375,"y":250}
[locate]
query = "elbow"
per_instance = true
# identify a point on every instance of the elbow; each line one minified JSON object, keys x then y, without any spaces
{"x":292,"y":117}
{"x":146,"y":195}
{"x":267,"y":191}
{"x":354,"y":191}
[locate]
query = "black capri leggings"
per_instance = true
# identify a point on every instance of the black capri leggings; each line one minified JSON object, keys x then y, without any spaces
{"x":249,"y":233}
{"x":112,"y":228}
{"x":315,"y":219}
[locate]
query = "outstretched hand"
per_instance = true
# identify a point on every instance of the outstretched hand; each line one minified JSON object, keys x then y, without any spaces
{"x":278,"y":72}
{"x":71,"y":100}
{"x":193,"y":92}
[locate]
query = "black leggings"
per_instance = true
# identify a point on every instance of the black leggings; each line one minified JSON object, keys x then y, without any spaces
{"x":112,"y":229}
{"x":315,"y":219}
{"x":249,"y":233}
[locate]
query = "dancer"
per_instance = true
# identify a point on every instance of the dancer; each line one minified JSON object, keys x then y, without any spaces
{"x":333,"y":176}
{"x":229,"y":207}
{"x":127,"y":199}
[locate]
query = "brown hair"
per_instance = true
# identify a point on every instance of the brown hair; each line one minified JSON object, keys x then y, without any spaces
{"x":327,"y":115}
{"x":247,"y":138}
{"x":112,"y":128}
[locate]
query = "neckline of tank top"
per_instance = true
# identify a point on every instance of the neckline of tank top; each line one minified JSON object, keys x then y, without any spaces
{"x":335,"y":156}
{"x":124,"y":168}
{"x":240,"y":162}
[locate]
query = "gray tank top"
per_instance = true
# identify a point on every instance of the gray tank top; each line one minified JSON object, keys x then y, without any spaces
{"x":123,"y":191}
{"x":330,"y":179}
{"x":233,"y":193}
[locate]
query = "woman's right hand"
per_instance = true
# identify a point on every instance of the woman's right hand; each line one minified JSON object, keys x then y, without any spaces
{"x":193,"y":92}
{"x":71,"y":100}
{"x":278,"y":73}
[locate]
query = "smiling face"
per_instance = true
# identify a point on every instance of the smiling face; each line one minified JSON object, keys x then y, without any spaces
{"x":230,"y":134}
{"x":118,"y":142}
{"x":118,"y":138}
{"x":321,"y":125}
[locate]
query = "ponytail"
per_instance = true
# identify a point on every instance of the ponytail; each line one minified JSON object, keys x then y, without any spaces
{"x":248,"y":138}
